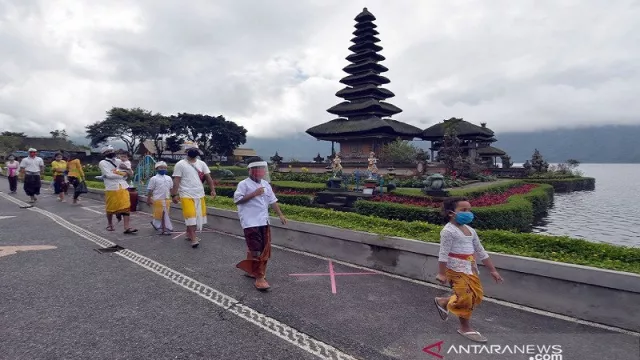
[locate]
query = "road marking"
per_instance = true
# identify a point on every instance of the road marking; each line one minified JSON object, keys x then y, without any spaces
{"x":436,"y":286}
{"x":332,"y":275}
{"x":283,"y":331}
{"x":6,"y":217}
{"x":12,"y":250}
{"x":93,"y":211}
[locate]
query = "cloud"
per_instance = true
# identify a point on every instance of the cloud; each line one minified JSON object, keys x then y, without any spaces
{"x":275,"y":66}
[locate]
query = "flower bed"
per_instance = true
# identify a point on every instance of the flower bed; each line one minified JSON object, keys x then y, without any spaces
{"x":516,"y":213}
{"x":554,"y":248}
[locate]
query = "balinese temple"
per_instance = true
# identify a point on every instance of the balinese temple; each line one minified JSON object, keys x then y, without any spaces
{"x":475,"y":140}
{"x":363,"y":124}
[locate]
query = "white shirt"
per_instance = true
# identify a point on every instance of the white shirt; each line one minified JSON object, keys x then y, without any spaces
{"x":453,"y":240}
{"x":190,"y":183}
{"x":254,"y":212}
{"x":112,"y":181}
{"x":32,"y":165}
{"x":160,"y":186}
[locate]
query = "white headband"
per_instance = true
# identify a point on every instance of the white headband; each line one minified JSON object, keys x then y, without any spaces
{"x":258,"y":164}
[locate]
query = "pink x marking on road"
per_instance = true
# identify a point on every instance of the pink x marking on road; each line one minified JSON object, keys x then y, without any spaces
{"x":332,"y":275}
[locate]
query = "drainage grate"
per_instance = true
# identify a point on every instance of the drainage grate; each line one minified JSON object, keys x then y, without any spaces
{"x":111,"y":249}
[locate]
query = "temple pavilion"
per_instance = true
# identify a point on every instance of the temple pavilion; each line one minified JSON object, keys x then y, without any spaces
{"x":475,"y":140}
{"x":363,"y":124}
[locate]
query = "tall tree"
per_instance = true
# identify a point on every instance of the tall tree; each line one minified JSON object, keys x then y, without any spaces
{"x":399,"y":152}
{"x":214,"y":134}
{"x":132,"y":126}
{"x":173,"y":144}
{"x":59,"y":134}
{"x":14,"y":134}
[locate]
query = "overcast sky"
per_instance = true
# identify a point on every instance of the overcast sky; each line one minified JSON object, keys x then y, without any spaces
{"x":274,"y":66}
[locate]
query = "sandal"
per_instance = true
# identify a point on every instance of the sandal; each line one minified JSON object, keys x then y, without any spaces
{"x":154,"y":227}
{"x":444,"y":314}
{"x":262,"y":285}
{"x":110,"y":228}
{"x":131,"y":231}
{"x":473,"y":336}
{"x":196,"y":243}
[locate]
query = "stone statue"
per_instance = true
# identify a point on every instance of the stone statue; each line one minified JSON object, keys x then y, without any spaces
{"x":336,"y":166}
{"x":434,"y":182}
{"x":372,"y":168}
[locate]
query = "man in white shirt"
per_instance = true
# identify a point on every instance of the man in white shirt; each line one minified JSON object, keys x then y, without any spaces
{"x":188,"y":177}
{"x":116,"y":194}
{"x":253,"y":196}
{"x":31,"y":169}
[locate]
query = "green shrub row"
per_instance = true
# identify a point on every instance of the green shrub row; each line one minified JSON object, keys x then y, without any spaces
{"x":471,"y":193}
{"x":300,"y":200}
{"x":517,"y":214}
{"x":568,"y":184}
{"x":554,"y":248}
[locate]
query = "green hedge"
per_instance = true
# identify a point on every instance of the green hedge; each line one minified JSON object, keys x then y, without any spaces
{"x":300,"y":200}
{"x":471,"y":193}
{"x":554,"y":248}
{"x":517,"y":214}
{"x":568,"y":184}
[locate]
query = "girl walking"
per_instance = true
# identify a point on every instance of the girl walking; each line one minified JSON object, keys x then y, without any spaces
{"x":12,"y":167}
{"x":460,"y":249}
{"x":58,"y":168}
{"x":76,"y":177}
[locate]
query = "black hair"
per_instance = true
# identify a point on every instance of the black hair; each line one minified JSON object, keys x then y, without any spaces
{"x":449,"y":205}
{"x":57,"y":154}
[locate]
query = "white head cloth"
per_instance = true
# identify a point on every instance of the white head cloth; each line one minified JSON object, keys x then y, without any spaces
{"x":32,"y":150}
{"x":260,"y":164}
{"x":107,"y":149}
{"x":160,"y":163}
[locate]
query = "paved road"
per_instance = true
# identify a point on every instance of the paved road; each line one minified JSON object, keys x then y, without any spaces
{"x":160,"y":299}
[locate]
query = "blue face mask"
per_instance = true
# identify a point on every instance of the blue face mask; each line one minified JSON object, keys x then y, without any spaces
{"x":464,"y":217}
{"x":162,"y":172}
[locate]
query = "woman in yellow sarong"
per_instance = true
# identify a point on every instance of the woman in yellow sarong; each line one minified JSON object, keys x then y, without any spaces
{"x":116,"y":194}
{"x":459,"y":249}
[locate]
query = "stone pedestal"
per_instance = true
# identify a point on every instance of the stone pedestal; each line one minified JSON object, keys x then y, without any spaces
{"x":370,"y":186}
{"x":335,"y":184}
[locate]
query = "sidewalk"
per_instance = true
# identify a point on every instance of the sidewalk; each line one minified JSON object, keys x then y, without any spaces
{"x":363,"y":314}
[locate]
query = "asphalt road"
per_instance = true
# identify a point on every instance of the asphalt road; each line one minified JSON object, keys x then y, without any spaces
{"x":161,"y":299}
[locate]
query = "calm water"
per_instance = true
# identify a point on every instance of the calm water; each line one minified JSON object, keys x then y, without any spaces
{"x":610,"y":214}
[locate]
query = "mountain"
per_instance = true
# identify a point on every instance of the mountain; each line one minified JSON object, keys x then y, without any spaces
{"x":606,"y":144}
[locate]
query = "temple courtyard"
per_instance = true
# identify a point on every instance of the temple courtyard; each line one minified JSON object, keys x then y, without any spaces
{"x":159,"y":299}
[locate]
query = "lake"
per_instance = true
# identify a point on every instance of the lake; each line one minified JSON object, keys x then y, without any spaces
{"x":610,"y":214}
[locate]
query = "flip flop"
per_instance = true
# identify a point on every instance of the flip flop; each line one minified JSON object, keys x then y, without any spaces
{"x":195,"y":244}
{"x":264,"y":285}
{"x":154,"y":227}
{"x":110,"y":228}
{"x":130,"y":231}
{"x":444,"y":314}
{"x":473,"y":336}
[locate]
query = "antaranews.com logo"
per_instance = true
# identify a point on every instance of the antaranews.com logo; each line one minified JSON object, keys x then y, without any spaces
{"x":531,"y":352}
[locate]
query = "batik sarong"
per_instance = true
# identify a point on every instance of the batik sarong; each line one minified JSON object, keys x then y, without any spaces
{"x":258,"y":251}
{"x":32,"y":184}
{"x":467,"y":293}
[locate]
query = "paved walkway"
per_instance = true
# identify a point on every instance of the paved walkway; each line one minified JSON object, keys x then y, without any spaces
{"x":160,"y":299}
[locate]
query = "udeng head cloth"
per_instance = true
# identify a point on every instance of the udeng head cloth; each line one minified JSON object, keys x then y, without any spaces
{"x":259,"y":170}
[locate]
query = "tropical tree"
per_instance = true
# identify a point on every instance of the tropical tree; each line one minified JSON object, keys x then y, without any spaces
{"x":132,"y":126}
{"x":399,"y":151}
{"x":214,"y":135}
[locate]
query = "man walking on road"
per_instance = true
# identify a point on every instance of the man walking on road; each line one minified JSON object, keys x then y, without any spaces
{"x":188,"y":177}
{"x":116,"y":193}
{"x":31,"y":169}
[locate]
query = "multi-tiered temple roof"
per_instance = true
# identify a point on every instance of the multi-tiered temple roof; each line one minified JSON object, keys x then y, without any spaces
{"x":364,"y":113}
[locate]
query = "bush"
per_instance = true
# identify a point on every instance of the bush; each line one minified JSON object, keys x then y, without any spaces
{"x":300,"y":200}
{"x":554,"y":248}
{"x":567,"y":184}
{"x":517,"y":214}
{"x":300,"y":177}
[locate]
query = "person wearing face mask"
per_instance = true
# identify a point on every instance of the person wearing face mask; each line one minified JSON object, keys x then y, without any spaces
{"x":31,"y":168}
{"x":159,"y":198}
{"x":460,"y":248}
{"x":116,"y":194}
{"x":253,"y":197}
{"x":11,"y":169}
{"x":188,"y":176}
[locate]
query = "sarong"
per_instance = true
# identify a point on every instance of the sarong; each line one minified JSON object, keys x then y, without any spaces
{"x":467,"y":293}
{"x":59,"y":185}
{"x":194,"y":215}
{"x":161,"y":210}
{"x":13,"y":183}
{"x":117,"y":201}
{"x":259,"y":251}
{"x":32,"y":184}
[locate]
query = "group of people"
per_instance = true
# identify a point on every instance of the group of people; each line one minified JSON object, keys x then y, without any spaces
{"x":31,"y":169}
{"x":460,"y":246}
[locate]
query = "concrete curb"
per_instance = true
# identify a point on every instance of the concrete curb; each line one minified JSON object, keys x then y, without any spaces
{"x":597,"y":295}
